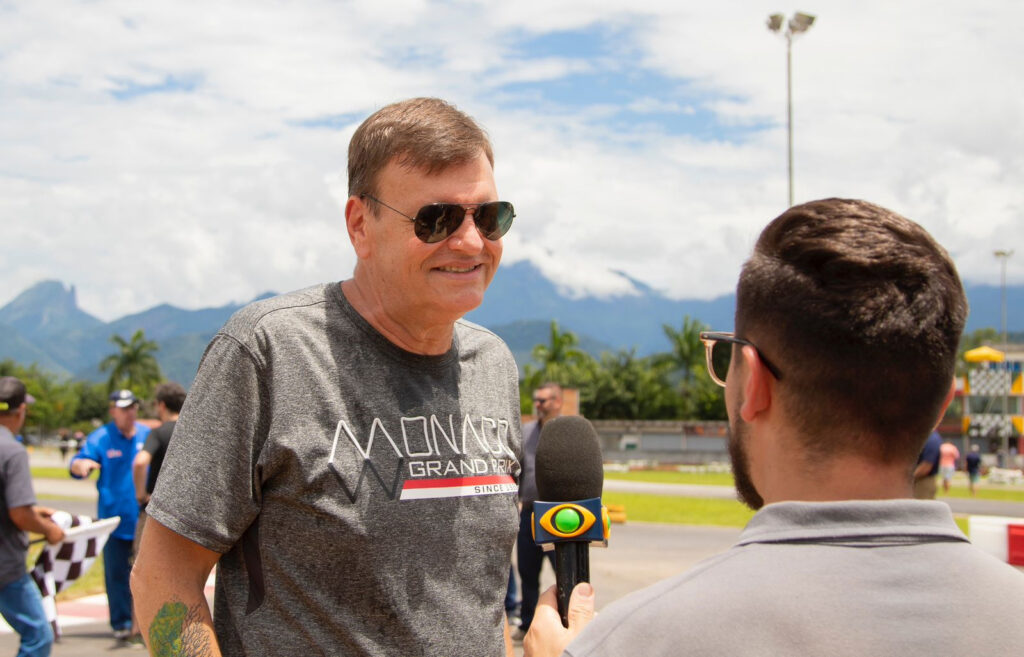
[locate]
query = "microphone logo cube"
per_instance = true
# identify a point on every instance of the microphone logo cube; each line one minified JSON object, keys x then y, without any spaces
{"x":564,"y":522}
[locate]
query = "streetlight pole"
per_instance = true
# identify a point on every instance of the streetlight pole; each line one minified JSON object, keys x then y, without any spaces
{"x":1004,"y":255}
{"x":799,"y":23}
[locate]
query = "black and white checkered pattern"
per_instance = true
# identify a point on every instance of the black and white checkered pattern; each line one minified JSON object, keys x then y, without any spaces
{"x":60,"y":565}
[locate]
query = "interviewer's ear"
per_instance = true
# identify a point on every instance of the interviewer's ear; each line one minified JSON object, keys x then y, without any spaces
{"x":946,"y":402}
{"x":757,"y":385}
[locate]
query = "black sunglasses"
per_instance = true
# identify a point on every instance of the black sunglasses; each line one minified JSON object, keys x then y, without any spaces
{"x":435,"y":222}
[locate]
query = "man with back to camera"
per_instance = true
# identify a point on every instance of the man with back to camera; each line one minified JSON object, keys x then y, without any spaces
{"x":848,"y":319}
{"x":547,"y":399}
{"x":21,"y":604}
{"x":111,"y":449}
{"x":347,"y":453}
{"x":973,"y":468}
{"x":170,"y":397}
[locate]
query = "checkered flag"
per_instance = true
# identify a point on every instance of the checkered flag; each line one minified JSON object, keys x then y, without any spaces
{"x":60,"y":565}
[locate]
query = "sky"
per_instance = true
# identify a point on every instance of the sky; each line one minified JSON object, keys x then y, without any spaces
{"x":194,"y":152}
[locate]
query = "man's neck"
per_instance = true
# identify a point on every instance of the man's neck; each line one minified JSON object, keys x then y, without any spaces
{"x":424,"y":340}
{"x":127,"y":434}
{"x":836,"y":478}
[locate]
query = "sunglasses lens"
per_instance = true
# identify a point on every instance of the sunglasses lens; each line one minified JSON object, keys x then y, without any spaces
{"x":721,"y":355}
{"x":494,"y":219}
{"x":437,"y":221}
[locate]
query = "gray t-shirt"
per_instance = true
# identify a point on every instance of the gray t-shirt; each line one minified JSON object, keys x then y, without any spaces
{"x":364,"y":497}
{"x":891,"y":578}
{"x":15,"y":490}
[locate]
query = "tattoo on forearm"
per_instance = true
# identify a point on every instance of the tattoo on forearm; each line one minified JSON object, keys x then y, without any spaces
{"x":178,"y":631}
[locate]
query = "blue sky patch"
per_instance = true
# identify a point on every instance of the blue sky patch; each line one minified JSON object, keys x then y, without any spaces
{"x":626,"y":97}
{"x":329,"y":122}
{"x":129,"y":89}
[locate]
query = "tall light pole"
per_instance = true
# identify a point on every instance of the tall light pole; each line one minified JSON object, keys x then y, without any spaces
{"x":798,"y":24}
{"x":1003,"y":256}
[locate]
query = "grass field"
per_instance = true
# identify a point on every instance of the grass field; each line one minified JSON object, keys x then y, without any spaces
{"x":50,"y":472}
{"x":1002,"y":493}
{"x":680,"y":510}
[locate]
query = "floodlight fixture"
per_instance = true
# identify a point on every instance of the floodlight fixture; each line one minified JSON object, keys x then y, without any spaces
{"x":775,"y":22}
{"x":800,"y":22}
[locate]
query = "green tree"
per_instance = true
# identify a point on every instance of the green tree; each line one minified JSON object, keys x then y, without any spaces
{"x":560,"y":349}
{"x":56,"y":399}
{"x":93,"y":405}
{"x":133,"y":366}
{"x":560,"y":361}
{"x":687,"y":351}
{"x":700,"y":397}
{"x":625,"y":387}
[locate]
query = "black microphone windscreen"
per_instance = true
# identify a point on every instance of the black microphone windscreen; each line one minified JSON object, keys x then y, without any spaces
{"x":569,"y":465}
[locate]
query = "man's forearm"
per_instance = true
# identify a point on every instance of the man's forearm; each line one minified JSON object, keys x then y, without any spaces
{"x":83,"y":467}
{"x":140,"y":468}
{"x":37,"y":519}
{"x":170,"y":604}
{"x":180,"y":629}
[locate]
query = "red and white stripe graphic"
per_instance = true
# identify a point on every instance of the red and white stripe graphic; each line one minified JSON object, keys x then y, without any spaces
{"x":422,"y":489}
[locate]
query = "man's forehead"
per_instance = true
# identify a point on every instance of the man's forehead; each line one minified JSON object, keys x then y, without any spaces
{"x":401,"y":166}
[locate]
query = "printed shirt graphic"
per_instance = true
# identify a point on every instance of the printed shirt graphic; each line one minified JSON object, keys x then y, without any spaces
{"x":434,"y":459}
{"x":369,"y":491}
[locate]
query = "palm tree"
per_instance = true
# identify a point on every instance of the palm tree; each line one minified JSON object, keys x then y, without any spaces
{"x":560,"y":351}
{"x":133,"y":366}
{"x":687,"y":354}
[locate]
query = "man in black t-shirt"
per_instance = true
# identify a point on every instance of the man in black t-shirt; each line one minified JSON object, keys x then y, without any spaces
{"x":170,"y":397}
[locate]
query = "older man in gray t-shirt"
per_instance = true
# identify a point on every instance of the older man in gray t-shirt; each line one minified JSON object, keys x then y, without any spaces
{"x":348,"y":454}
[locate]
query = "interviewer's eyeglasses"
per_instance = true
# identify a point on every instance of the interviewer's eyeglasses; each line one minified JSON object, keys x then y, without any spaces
{"x":718,"y":353}
{"x":435,"y":222}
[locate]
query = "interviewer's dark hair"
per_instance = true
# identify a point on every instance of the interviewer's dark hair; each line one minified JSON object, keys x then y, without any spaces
{"x":862,"y":312}
{"x":172,"y":395}
{"x":423,"y":133}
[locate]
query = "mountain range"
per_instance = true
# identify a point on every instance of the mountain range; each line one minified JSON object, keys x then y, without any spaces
{"x":44,"y":324}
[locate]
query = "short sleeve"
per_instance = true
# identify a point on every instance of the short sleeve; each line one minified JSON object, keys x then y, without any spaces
{"x":208,"y":487}
{"x":17,"y":481}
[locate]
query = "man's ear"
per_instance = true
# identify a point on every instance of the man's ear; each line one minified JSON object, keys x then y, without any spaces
{"x":757,"y":385}
{"x":357,"y":218}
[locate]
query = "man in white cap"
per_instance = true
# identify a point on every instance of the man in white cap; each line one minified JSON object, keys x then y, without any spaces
{"x":20,"y":602}
{"x":111,"y":449}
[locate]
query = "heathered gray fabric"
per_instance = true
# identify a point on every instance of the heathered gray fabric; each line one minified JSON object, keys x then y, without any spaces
{"x":15,"y":490}
{"x":294,"y":384}
{"x":892,"y":578}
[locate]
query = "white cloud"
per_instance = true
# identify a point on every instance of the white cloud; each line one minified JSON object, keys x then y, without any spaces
{"x":203,"y":197}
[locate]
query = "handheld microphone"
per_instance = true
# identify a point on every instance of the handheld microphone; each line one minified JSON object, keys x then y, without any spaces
{"x":568,"y":516}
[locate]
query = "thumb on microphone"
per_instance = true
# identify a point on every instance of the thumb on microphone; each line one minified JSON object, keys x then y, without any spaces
{"x":547,"y":637}
{"x":581,"y":607}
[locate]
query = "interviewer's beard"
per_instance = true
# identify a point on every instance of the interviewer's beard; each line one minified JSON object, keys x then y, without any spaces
{"x":738,"y":434}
